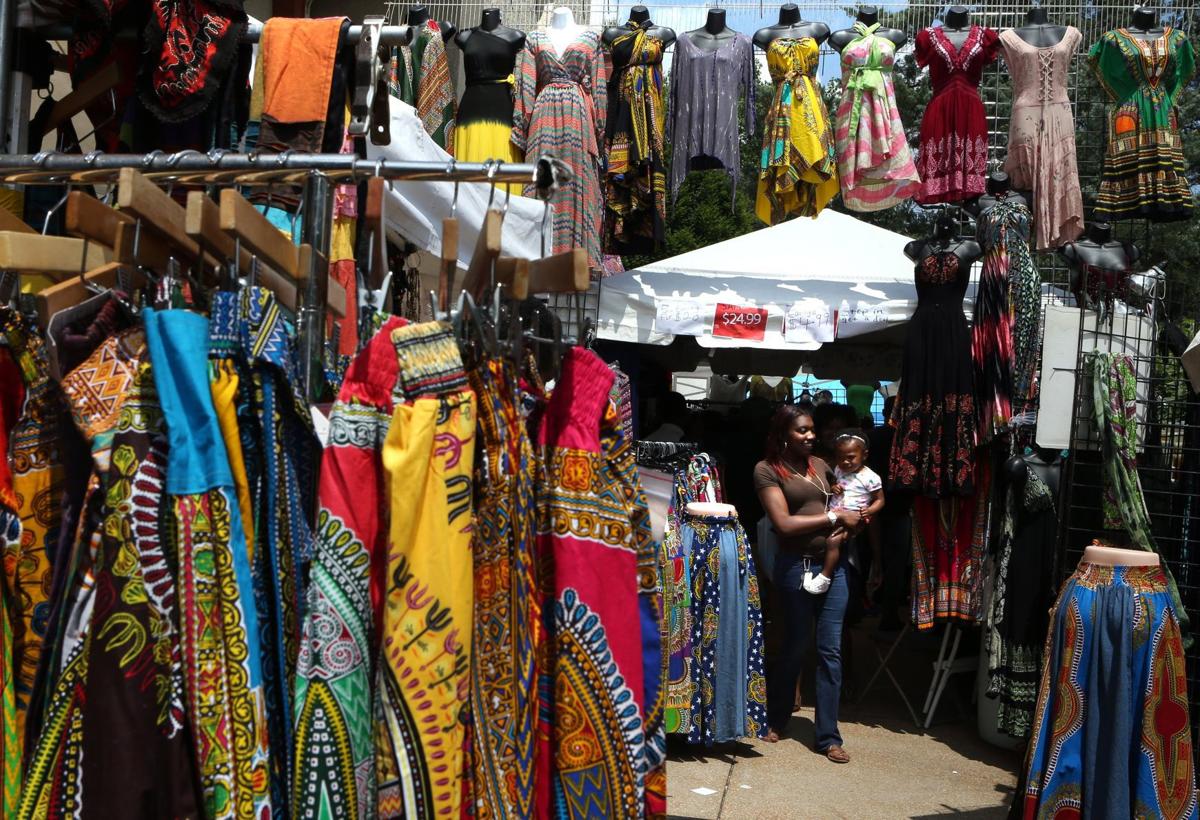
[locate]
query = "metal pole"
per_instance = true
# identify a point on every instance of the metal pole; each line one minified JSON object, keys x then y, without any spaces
{"x":315,"y":230}
{"x":7,"y":47}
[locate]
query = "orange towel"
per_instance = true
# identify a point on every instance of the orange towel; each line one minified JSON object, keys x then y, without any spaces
{"x":298,"y":55}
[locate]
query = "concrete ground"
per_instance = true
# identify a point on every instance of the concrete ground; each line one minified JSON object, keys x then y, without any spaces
{"x":896,"y":771}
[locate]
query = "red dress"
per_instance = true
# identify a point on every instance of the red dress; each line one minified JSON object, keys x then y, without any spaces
{"x":952,"y":159}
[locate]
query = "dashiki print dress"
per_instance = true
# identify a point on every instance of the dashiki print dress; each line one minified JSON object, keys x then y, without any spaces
{"x":421,"y":78}
{"x":635,"y":185}
{"x":952,"y":159}
{"x":1144,"y":166}
{"x":798,"y":172}
{"x":874,"y":162}
{"x":561,"y":108}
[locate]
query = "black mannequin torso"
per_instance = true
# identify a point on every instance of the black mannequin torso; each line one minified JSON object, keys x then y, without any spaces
{"x":418,"y":15}
{"x":942,"y":241}
{"x":714,"y":34}
{"x":639,"y":15}
{"x":868,"y":16}
{"x":1046,"y":464}
{"x":1038,"y":31}
{"x":1144,"y":25}
{"x":490,"y":23}
{"x":791,"y":26}
{"x":956,"y":25}
{"x":997,"y":189}
{"x":1099,"y":250}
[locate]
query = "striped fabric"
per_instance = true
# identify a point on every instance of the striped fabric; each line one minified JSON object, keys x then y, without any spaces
{"x":561,"y":105}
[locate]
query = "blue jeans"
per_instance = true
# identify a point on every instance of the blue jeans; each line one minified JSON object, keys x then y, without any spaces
{"x":800,"y":611}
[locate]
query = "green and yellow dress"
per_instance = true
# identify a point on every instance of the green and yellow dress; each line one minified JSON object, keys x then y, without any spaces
{"x":485,"y":114}
{"x":798,"y":172}
{"x":1144,"y":166}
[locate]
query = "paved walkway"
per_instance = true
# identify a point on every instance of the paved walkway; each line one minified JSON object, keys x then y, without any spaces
{"x":895,"y":772}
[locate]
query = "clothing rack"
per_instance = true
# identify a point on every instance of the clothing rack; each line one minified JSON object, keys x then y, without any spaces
{"x":649,"y":452}
{"x":317,"y":173}
{"x":258,"y":169}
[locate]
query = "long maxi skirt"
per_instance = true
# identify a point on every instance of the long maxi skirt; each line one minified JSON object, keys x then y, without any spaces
{"x":729,"y":689}
{"x":1111,"y":735}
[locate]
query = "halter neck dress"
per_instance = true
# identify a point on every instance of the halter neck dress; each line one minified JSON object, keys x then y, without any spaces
{"x":874,"y":162}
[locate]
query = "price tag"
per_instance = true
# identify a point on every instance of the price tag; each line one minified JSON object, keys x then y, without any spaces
{"x":859,"y":318}
{"x":682,"y":317}
{"x":738,"y":322}
{"x":807,"y":322}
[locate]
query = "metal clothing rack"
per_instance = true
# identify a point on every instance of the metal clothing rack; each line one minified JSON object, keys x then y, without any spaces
{"x":316,"y":173}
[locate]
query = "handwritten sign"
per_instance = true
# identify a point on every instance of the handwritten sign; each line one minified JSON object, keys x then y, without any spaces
{"x":807,"y":322}
{"x":854,"y":319}
{"x":740,"y":322}
{"x":682,"y":316}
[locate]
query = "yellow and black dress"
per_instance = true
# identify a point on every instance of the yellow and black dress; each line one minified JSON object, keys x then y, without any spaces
{"x":485,"y":115}
{"x":635,"y":185}
{"x":798,"y":173}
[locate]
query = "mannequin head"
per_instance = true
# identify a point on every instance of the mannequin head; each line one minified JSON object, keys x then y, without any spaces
{"x":1144,"y":18}
{"x":997,"y":183}
{"x":562,"y":17}
{"x":957,"y":17}
{"x":490,"y":19}
{"x":789,"y":14}
{"x":639,"y":15}
{"x":417,"y":15}
{"x":945,"y":228}
{"x":1100,"y":232}
{"x":868,"y":15}
{"x":1036,"y":16}
{"x":715,"y":22}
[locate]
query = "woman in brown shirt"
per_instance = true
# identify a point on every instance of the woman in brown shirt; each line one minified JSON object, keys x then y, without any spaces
{"x":794,"y":487}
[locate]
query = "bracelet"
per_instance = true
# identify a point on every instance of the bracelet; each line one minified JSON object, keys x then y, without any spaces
{"x":832,"y":516}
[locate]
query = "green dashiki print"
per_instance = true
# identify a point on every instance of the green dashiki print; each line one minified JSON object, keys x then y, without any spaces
{"x":1144,"y":165}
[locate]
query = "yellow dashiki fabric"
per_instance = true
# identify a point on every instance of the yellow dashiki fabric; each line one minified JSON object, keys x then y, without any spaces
{"x":798,"y":172}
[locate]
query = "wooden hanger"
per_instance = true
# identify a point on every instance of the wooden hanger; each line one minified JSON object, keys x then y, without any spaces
{"x":90,"y":90}
{"x":373,"y":222}
{"x":513,"y":273}
{"x":75,"y":290}
{"x":166,"y":217}
{"x":203,"y":223}
{"x":565,"y":272}
{"x":53,"y":256}
{"x":89,"y":218}
{"x":487,"y":248}
{"x":238,"y":218}
{"x":11,"y":222}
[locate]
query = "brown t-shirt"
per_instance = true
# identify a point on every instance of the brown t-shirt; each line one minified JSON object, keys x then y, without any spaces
{"x":803,"y":498}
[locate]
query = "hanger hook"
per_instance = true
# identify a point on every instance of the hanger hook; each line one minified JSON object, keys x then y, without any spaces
{"x":491,"y":175}
{"x":57,"y":207}
{"x":451,"y":167}
{"x":545,"y":219}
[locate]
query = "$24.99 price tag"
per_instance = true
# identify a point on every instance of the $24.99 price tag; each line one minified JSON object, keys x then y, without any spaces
{"x":739,"y":322}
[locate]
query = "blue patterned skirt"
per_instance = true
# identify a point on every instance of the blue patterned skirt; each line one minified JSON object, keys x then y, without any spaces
{"x":1111,"y":735}
{"x":729,"y":689}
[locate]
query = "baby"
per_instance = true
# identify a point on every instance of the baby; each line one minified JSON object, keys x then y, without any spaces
{"x":858,"y":488}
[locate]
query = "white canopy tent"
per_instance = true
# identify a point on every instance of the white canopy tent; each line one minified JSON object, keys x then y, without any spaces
{"x":795,"y":286}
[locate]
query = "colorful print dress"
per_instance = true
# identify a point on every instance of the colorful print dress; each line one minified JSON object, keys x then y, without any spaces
{"x":635,"y":186}
{"x":1004,"y":335}
{"x":1112,"y":732}
{"x":421,"y":78}
{"x":1041,"y":136}
{"x":561,"y":109}
{"x":798,"y":170}
{"x":1144,"y":166}
{"x":874,"y":162}
{"x":952,"y":159}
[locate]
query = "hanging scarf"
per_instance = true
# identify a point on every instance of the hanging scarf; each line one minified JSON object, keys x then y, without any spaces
{"x":190,"y":45}
{"x":1114,"y":401}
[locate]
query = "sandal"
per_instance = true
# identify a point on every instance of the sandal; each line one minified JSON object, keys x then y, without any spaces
{"x":837,"y":754}
{"x":771,"y":736}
